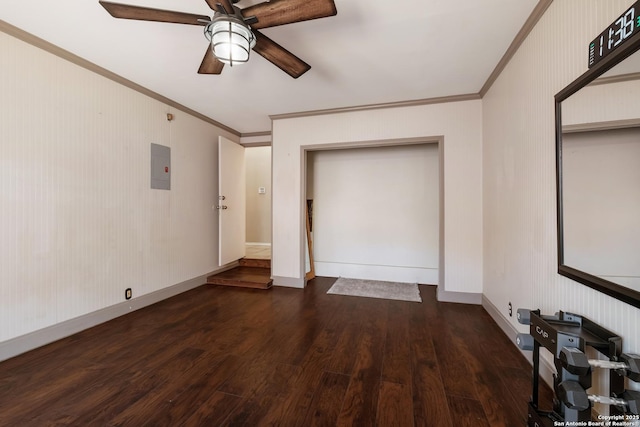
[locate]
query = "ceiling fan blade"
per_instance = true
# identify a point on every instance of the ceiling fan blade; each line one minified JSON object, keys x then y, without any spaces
{"x":228,"y":6}
{"x":140,"y":13}
{"x":279,"y":56}
{"x":210,"y":64}
{"x":280,"y":12}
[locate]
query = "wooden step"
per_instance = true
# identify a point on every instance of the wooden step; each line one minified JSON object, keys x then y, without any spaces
{"x":255,"y":262}
{"x":243,"y":277}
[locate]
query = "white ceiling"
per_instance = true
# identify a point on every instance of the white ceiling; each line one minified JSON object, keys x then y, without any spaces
{"x":371,"y":52}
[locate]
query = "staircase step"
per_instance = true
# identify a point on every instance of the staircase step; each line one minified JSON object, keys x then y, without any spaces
{"x":255,"y":262}
{"x":244,"y":277}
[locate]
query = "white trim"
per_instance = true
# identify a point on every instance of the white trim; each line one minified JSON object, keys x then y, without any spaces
{"x":289,"y":282}
{"x":33,"y":340}
{"x":458,"y":297}
{"x":391,"y":142}
{"x":387,"y":273}
{"x":258,"y":244}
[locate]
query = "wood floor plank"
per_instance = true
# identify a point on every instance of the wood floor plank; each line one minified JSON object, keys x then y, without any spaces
{"x":361,"y":399}
{"x":344,"y":357}
{"x":360,"y":402}
{"x":325,"y":407}
{"x":140,"y":392}
{"x":312,"y":367}
{"x":396,"y":365}
{"x":454,"y":364}
{"x":42,"y":395}
{"x":258,"y":411}
{"x":395,"y":405}
{"x":212,"y":412}
{"x":279,"y":380}
{"x":430,"y":405}
{"x":468,"y":413}
{"x":287,"y":357}
{"x":170,"y":402}
{"x":250,"y":377}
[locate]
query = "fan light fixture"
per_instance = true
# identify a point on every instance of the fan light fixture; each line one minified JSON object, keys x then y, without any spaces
{"x":233,"y":32}
{"x":231,"y":39}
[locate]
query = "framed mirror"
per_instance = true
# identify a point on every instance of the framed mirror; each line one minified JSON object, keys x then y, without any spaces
{"x":598,"y":175}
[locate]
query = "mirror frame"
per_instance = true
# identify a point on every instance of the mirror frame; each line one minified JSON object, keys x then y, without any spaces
{"x":612,"y":289}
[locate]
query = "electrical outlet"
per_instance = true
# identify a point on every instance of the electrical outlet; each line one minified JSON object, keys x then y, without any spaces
{"x":127,"y":293}
{"x":510,"y":309}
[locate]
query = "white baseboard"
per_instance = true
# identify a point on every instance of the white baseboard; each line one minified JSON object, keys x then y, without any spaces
{"x":35,"y":339}
{"x":459,"y":297}
{"x":289,"y":282}
{"x":257,"y":244}
{"x":547,"y":370}
{"x":427,"y":276}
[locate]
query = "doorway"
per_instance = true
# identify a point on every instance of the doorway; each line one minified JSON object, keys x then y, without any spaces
{"x":245,"y":216}
{"x":377,"y":212}
{"x":258,"y":202}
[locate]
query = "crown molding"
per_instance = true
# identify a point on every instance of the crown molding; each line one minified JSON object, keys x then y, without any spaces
{"x":255,"y":134}
{"x":412,"y":103}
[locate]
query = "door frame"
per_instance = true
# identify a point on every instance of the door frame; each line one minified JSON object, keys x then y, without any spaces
{"x":394,"y":142}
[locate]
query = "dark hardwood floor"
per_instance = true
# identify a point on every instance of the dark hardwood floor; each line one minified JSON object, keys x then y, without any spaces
{"x":285,"y":357}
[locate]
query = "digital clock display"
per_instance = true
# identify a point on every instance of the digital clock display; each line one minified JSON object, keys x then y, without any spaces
{"x":617,"y":33}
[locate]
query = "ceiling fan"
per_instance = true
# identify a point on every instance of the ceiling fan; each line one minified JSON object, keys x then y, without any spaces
{"x":233,"y":32}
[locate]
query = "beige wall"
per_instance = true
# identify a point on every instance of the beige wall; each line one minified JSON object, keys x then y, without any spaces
{"x":460,"y":125}
{"x":258,"y":167}
{"x":78,"y":221}
{"x":520,"y":254}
